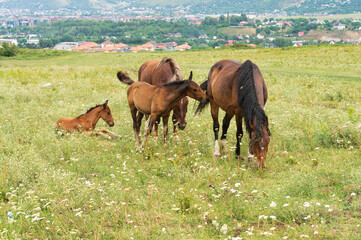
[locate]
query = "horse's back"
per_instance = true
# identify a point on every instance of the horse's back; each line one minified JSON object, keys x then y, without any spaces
{"x":157,"y":71}
{"x":67,"y":124}
{"x":145,"y":71}
{"x":222,"y":84}
{"x":140,"y":95}
{"x":223,"y":78}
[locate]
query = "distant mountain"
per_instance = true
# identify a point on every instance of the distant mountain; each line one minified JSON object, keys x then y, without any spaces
{"x":198,"y":6}
{"x":55,"y":4}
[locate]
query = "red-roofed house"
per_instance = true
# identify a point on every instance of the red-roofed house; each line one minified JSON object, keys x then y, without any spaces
{"x":148,"y":47}
{"x":135,"y":49}
{"x":107,"y":44}
{"x":90,"y":44}
{"x":183,"y":47}
{"x":121,"y":46}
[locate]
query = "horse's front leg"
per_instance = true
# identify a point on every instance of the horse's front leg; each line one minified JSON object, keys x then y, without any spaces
{"x":239,"y":134}
{"x":226,"y":120}
{"x":104,"y":130}
{"x":214,"y":113}
{"x":165,"y":128}
{"x":97,"y":133}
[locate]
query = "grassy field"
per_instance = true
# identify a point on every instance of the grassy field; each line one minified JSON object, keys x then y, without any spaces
{"x":76,"y":186}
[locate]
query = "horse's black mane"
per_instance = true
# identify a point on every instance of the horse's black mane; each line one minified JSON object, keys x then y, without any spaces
{"x":247,"y":99}
{"x":90,"y":109}
{"x":174,"y":83}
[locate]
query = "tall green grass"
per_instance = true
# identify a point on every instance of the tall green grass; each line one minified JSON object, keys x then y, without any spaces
{"x":87,"y":187}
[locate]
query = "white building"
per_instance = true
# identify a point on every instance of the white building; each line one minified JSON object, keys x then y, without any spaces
{"x":10,"y":41}
{"x":66,"y":46}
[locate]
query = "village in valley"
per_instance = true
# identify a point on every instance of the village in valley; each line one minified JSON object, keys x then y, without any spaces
{"x":248,"y":30}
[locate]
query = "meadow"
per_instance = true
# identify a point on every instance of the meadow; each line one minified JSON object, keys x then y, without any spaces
{"x":79,"y":187}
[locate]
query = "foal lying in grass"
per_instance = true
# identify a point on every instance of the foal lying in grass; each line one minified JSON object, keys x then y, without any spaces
{"x":87,"y":121}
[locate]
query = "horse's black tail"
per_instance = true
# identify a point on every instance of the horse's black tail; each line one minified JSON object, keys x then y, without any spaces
{"x":202,"y":105}
{"x":247,"y":98}
{"x":124,"y":78}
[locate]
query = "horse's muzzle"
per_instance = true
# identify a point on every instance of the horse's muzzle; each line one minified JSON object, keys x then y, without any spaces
{"x":111,"y":124}
{"x":182,"y":127}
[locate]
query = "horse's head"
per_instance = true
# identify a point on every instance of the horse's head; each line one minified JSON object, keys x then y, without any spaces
{"x":259,"y":143}
{"x":106,"y":114}
{"x":180,"y":112}
{"x":194,"y":91}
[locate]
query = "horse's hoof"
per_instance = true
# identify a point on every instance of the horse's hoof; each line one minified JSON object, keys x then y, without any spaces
{"x":239,"y":157}
{"x":217,"y":155}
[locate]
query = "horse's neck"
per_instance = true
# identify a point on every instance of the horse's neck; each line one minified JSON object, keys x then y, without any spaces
{"x":176,"y":92}
{"x":92,"y":116}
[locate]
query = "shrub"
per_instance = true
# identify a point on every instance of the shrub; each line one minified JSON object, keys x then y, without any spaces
{"x":8,"y":50}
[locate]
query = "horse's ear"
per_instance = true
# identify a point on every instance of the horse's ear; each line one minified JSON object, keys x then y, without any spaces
{"x":105,"y":104}
{"x":190,"y":76}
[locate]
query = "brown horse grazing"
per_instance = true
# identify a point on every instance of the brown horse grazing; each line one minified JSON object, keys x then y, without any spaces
{"x":162,"y":71}
{"x":157,"y":101}
{"x":239,"y":89}
{"x":87,"y":121}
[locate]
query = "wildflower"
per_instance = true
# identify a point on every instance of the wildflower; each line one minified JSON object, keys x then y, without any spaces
{"x":237,"y":185}
{"x":327,"y":206}
{"x":353,"y":194}
{"x":79,"y":213}
{"x":272,"y":217}
{"x":306,"y":204}
{"x":224,"y":229}
{"x":318,"y":204}
{"x":163,"y":230}
{"x":214,"y":222}
{"x":285,"y":205}
{"x":254,"y":191}
{"x":307,"y":217}
{"x":272,"y":228}
{"x":315,"y":232}
{"x":330,"y":209}
{"x":273,"y":204}
{"x":304,"y":236}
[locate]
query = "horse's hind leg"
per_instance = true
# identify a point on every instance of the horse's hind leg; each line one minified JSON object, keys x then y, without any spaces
{"x":214,"y":113}
{"x":227,"y":118}
{"x":155,"y":133}
{"x":165,"y":128}
{"x":152,"y":120}
{"x":174,"y":120}
{"x":136,"y":125}
{"x":239,"y":134}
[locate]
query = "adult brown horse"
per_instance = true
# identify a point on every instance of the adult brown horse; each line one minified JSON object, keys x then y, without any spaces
{"x":157,"y":101}
{"x":87,"y":121}
{"x":162,"y":71}
{"x":239,"y":89}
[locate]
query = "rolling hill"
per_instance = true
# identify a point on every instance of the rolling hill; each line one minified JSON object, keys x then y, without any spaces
{"x":199,"y":6}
